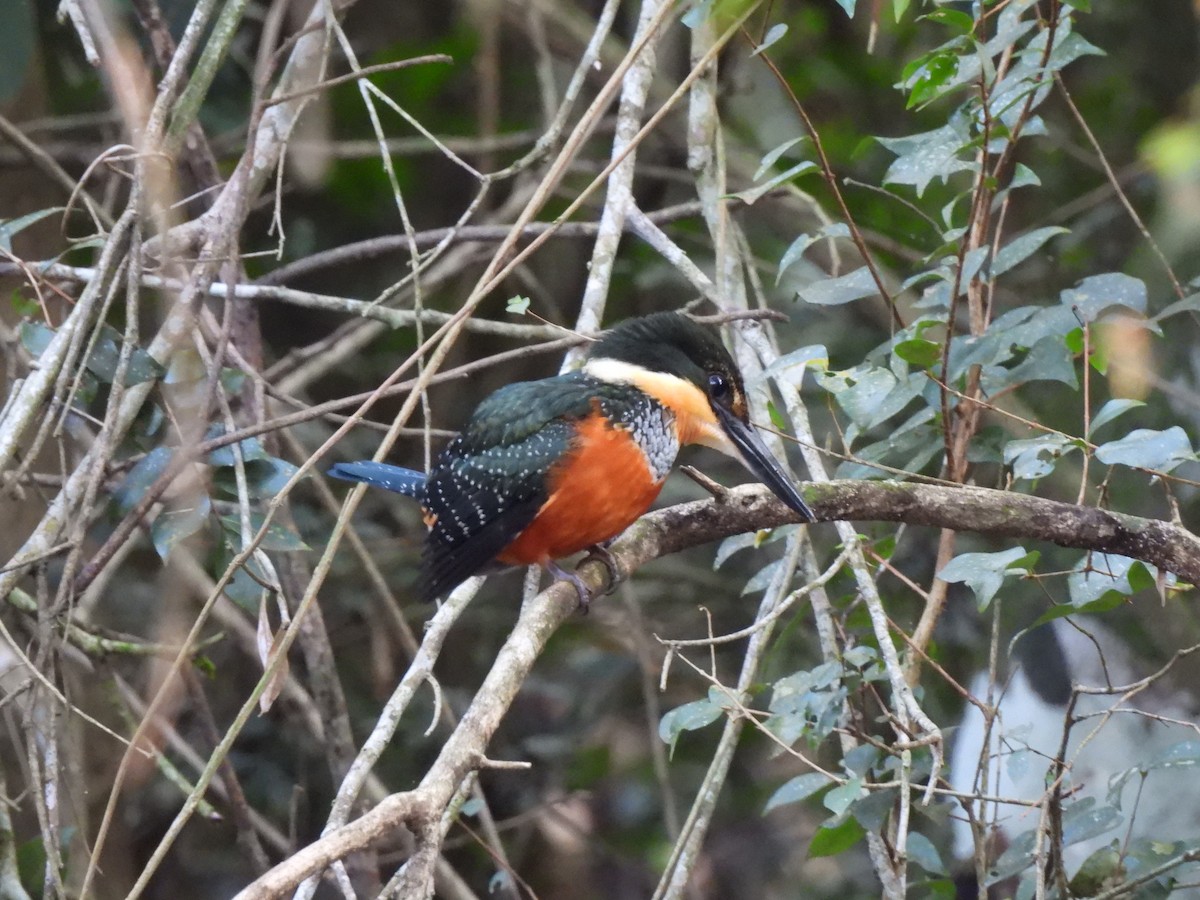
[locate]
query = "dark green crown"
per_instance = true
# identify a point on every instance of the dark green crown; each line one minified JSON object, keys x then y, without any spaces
{"x":672,"y":343}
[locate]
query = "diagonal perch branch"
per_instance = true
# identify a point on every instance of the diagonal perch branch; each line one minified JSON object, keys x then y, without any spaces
{"x":980,"y":510}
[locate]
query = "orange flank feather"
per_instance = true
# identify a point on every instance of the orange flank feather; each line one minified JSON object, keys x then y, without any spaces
{"x":596,"y":492}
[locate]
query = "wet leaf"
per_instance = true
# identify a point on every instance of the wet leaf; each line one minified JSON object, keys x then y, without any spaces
{"x":1020,"y":249}
{"x":750,"y":195}
{"x":774,"y":33}
{"x":277,"y":537}
{"x":920,"y":158}
{"x":924,"y":854}
{"x":797,"y":789}
{"x":834,"y":291}
{"x":1035,"y":458}
{"x":1111,"y":410}
{"x":1094,"y":295}
{"x":689,"y":717}
{"x":839,"y":799}
{"x":175,"y":525}
{"x":9,"y":228}
{"x":1145,"y":448}
{"x":919,"y":352}
{"x":983,"y":573}
{"x":832,"y":840}
{"x":140,"y":477}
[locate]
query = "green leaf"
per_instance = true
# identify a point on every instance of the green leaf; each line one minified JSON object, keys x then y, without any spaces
{"x":859,"y":760}
{"x":1097,"y":293}
{"x":951,"y":18}
{"x":105,"y":357}
{"x":1185,"y":754}
{"x":732,"y":545}
{"x":761,"y":580}
{"x":102,"y":361}
{"x":860,"y":391}
{"x":9,"y":228}
{"x":983,"y":573}
{"x":251,"y":448}
{"x":1097,"y":871}
{"x":792,"y":365}
{"x":277,"y":537}
{"x":1098,"y":575}
{"x":776,"y":153}
{"x":860,"y":656}
{"x":518,"y":305}
{"x":1106,"y":603}
{"x":1190,"y":303}
{"x":1160,"y":451}
{"x":1110,"y":411}
{"x":807,"y":703}
{"x":1084,"y":820}
{"x":1016,"y":859}
{"x":266,"y":477}
{"x":832,"y":840}
{"x":797,"y":789}
{"x":795,"y":251}
{"x":1020,"y":249}
{"x":1140,"y":577}
{"x":243,"y":590}
{"x":913,"y":438}
{"x":833,"y":291}
{"x":927,"y":78}
{"x":1048,"y":360}
{"x":750,"y":195}
{"x":1035,"y":458}
{"x":848,"y":6}
{"x":35,"y":337}
{"x":774,"y":33}
{"x":31,"y":866}
{"x":144,"y":473}
{"x":920,"y":158}
{"x":924,"y":854}
{"x":1070,"y":47}
{"x":173,"y":526}
{"x":24,"y":307}
{"x":919,"y":352}
{"x":839,"y":799}
{"x":872,"y":811}
{"x":689,"y":717}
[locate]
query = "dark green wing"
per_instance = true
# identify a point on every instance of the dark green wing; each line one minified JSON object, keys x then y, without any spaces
{"x":491,"y":480}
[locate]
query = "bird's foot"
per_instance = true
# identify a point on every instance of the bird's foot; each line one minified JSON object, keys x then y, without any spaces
{"x":585,"y":596}
{"x":599,"y":552}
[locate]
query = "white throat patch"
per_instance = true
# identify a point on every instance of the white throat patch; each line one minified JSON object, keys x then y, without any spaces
{"x":695,"y":420}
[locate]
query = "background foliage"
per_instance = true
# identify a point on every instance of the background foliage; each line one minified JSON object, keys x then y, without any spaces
{"x":976,"y":223}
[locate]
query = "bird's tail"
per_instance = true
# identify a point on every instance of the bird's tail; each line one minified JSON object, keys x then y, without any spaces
{"x":409,"y":482}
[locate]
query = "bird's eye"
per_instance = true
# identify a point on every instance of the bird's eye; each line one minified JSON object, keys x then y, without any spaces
{"x":718,"y":386}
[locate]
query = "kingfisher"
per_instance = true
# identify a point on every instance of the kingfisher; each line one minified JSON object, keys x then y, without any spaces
{"x":544,"y":469}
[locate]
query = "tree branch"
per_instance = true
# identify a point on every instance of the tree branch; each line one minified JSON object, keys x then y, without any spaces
{"x":667,"y":531}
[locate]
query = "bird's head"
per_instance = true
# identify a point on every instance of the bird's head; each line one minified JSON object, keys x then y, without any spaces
{"x":684,"y":366}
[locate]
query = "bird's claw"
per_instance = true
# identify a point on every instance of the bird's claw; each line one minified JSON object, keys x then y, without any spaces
{"x":600,"y":553}
{"x":585,"y":596}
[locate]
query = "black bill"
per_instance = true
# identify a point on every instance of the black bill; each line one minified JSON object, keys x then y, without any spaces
{"x":758,"y":459}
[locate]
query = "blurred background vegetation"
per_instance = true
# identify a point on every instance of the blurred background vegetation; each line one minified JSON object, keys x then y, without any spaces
{"x":598,"y":813}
